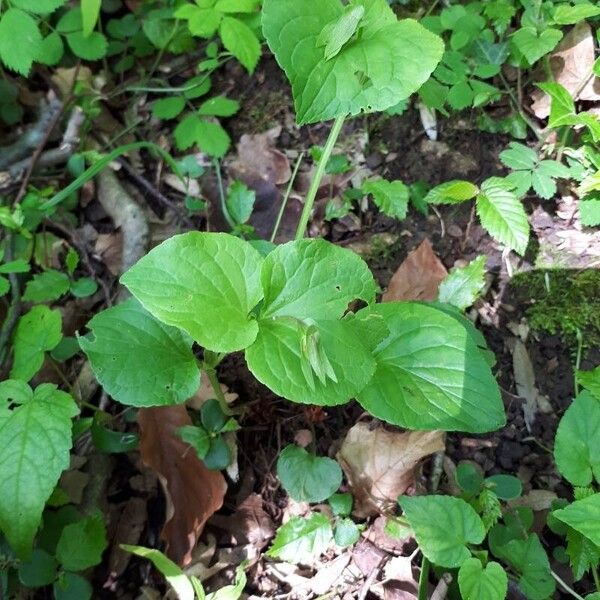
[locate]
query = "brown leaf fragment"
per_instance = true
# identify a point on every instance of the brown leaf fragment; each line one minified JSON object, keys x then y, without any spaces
{"x":418,"y":277}
{"x":571,"y":64}
{"x":257,"y":155}
{"x":249,"y":524}
{"x":380,"y":464}
{"x":193,"y":492}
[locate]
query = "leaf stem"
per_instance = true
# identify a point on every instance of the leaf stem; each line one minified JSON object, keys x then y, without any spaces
{"x":424,"y":578}
{"x":565,"y":587}
{"x":318,"y":176}
{"x":224,"y":210}
{"x":596,"y":578}
{"x":578,"y":362}
{"x":286,"y":196}
{"x":216,"y":386}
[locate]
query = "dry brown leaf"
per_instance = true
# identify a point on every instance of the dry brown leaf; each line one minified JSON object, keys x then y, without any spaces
{"x":109,"y":248}
{"x":571,"y":65}
{"x":525,"y":382}
{"x":193,"y":492}
{"x":257,"y":155}
{"x":380,"y":464}
{"x":418,"y":277}
{"x":536,"y":500}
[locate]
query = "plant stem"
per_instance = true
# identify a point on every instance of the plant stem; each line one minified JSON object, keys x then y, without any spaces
{"x":286,"y":196}
{"x":224,"y":210}
{"x":565,"y":587}
{"x":578,"y":360}
{"x":596,"y":579}
{"x":424,"y":579}
{"x":216,"y":386}
{"x":316,"y":181}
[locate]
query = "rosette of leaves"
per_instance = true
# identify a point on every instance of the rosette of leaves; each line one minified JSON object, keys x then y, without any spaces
{"x":529,"y":171}
{"x":200,"y":127}
{"x":343,"y":60}
{"x":473,"y":54}
{"x":289,"y":313}
{"x":231,"y":19}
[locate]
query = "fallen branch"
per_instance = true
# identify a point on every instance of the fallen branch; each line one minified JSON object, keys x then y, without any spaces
{"x":127,"y":215}
{"x":32,"y":138}
{"x":55,"y":156}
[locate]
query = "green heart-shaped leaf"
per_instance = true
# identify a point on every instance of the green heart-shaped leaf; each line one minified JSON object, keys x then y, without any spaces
{"x":534,"y":46}
{"x":381,"y":62}
{"x":477,"y":583}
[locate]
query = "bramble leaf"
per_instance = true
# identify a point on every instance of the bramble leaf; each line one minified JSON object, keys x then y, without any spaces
{"x":391,"y":197}
{"x":138,"y":360}
{"x":241,"y":41}
{"x":389,"y":61}
{"x":583,"y":516}
{"x":463,"y":284}
{"x":503,"y":215}
{"x":451,"y":192}
{"x":301,"y":540}
{"x":168,"y":108}
{"x":46,"y":286}
{"x":38,"y":331}
{"x":413,"y":388}
{"x":35,"y":439}
{"x":20,"y":40}
{"x":203,"y":283}
{"x":577,"y":444}
{"x":306,"y":477}
{"x":444,"y":527}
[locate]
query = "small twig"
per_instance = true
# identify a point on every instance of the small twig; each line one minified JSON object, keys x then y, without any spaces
{"x":37,"y":152}
{"x":437,"y":468}
{"x":33,"y":136}
{"x":441,"y":590}
{"x":371,"y":578}
{"x":468,"y":229}
{"x":149,"y":188}
{"x":439,"y":216}
{"x":52,"y":157}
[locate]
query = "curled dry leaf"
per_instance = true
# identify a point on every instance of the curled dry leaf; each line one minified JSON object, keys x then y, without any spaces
{"x":380,"y":464}
{"x":571,"y":65}
{"x":418,"y":277}
{"x":193,"y":492}
{"x":249,"y":524}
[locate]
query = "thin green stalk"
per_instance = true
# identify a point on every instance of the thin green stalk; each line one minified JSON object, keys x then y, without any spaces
{"x":216,"y":386}
{"x":101,"y":164}
{"x":316,"y":181}
{"x":578,"y":360}
{"x":224,"y":210}
{"x":424,"y":579}
{"x":596,"y":579}
{"x":565,"y":587}
{"x":286,"y":196}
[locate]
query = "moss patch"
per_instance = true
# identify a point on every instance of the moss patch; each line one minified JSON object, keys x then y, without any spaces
{"x":563,"y":302}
